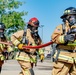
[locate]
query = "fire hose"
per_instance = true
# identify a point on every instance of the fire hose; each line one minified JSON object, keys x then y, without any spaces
{"x":6,"y":43}
{"x":30,"y":47}
{"x":39,"y":46}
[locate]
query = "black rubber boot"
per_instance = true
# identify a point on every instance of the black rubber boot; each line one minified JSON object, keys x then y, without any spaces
{"x":0,"y":69}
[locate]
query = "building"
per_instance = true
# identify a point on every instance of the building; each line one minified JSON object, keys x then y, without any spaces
{"x":47,"y":50}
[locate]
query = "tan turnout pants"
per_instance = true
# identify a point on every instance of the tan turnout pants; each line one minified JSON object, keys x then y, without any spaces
{"x":61,"y":68}
{"x":25,"y":66}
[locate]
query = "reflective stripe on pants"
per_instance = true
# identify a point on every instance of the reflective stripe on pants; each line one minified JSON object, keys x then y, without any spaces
{"x":65,"y":58}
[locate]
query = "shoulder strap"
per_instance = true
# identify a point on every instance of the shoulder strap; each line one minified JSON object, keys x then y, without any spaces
{"x":63,"y":28}
{"x":24,"y":37}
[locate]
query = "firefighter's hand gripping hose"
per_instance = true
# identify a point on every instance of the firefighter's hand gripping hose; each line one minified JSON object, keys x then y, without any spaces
{"x":39,"y":46}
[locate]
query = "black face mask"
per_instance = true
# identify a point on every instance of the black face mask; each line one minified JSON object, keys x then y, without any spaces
{"x":71,"y":19}
{"x":34,"y":32}
{"x":35,"y":35}
{"x":2,"y":36}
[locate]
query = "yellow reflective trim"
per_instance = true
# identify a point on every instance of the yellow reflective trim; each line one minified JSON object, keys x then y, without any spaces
{"x":33,"y":44}
{"x":72,"y":43}
{"x":10,"y":49}
{"x":22,"y":58}
{"x":41,"y":51}
{"x":2,"y":57}
{"x":61,"y":39}
{"x":2,"y":46}
{"x":33,"y":60}
{"x":26,"y":71}
{"x":67,"y":11}
{"x":16,"y":42}
{"x":63,"y":57}
{"x":75,"y":60}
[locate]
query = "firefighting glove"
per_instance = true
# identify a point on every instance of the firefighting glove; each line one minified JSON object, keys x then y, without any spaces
{"x":20,"y":46}
{"x":69,"y":38}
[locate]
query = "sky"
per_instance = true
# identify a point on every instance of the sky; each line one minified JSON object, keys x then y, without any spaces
{"x":48,"y":13}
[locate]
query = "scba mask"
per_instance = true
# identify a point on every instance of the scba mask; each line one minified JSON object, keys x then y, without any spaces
{"x":34,"y":31}
{"x":2,"y":36}
{"x":71,"y":19}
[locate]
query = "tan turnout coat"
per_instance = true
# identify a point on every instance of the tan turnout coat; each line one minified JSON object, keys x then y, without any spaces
{"x":64,"y":55}
{"x":21,"y":55}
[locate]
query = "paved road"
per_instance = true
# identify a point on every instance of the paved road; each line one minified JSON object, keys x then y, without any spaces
{"x":11,"y":67}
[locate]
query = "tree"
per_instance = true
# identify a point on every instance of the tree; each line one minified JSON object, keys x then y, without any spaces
{"x":12,"y":19}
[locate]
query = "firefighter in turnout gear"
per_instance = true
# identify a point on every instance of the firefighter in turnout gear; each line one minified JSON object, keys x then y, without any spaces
{"x":29,"y":36}
{"x":64,"y":36}
{"x":41,"y":54}
{"x":3,"y":47}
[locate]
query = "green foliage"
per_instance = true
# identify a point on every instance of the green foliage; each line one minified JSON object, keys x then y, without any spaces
{"x":12,"y":19}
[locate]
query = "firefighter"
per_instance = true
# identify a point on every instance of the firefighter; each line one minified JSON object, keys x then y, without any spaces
{"x":41,"y":54}
{"x":64,"y":36}
{"x":3,"y":47}
{"x":29,"y":36}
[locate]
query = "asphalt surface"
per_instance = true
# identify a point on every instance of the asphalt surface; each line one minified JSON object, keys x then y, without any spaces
{"x":11,"y":67}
